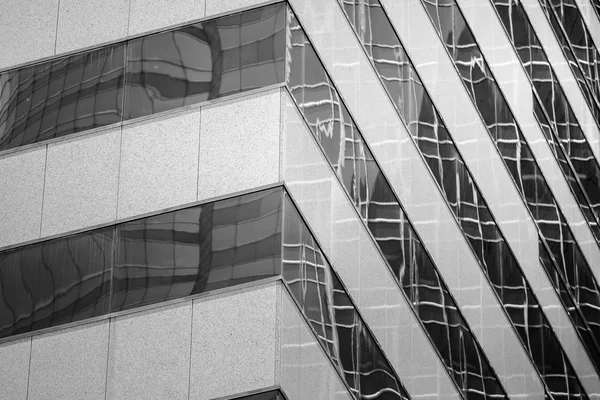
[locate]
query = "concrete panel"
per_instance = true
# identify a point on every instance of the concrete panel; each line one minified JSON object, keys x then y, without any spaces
{"x":14,"y":369}
{"x":239,"y":144}
{"x":22,"y":183}
{"x":159,"y":163}
{"x":362,"y":269}
{"x":83,"y":23}
{"x":247,"y":320}
{"x":306,"y":371}
{"x":70,"y":364}
{"x":81,"y":182}
{"x":225,"y":6}
{"x":380,"y":124}
{"x":27,"y":30}
{"x":149,"y":354}
{"x":148,"y":15}
{"x":565,"y":76}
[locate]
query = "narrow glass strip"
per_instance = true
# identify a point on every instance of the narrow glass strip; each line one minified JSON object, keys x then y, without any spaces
{"x":558,"y":373}
{"x":345,"y":149}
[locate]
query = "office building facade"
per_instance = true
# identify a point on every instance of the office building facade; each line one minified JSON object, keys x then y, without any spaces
{"x":301,"y":199}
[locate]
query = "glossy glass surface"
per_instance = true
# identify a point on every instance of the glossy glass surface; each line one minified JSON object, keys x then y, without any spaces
{"x":205,"y":61}
{"x":456,"y":183}
{"x":55,"y":282}
{"x":554,"y":367}
{"x":198,"y":249}
{"x":62,"y":96}
{"x":578,"y":47}
{"x":271,"y":395}
{"x":565,"y":136}
{"x":576,"y":274}
{"x":345,"y":149}
{"x":333,"y":316}
{"x":142,"y":76}
{"x":145,"y":261}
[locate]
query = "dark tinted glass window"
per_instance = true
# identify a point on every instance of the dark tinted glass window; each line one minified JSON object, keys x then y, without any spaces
{"x":62,"y":96}
{"x":55,"y":282}
{"x":205,"y":61}
{"x":198,"y":249}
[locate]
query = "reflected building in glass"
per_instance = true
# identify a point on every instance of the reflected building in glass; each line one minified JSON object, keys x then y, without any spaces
{"x":300,"y":199}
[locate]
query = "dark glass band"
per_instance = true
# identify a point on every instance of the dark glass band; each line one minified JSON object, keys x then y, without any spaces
{"x":142,"y":76}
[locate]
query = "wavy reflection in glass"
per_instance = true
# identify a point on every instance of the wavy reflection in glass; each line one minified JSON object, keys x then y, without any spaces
{"x":62,"y":96}
{"x":141,"y":262}
{"x":142,"y":76}
{"x":578,"y":47}
{"x":557,"y":372}
{"x":205,"y":61}
{"x":333,"y":316}
{"x":570,"y":147}
{"x":55,"y":282}
{"x":345,"y":149}
{"x":384,"y":48}
{"x":197,"y":249}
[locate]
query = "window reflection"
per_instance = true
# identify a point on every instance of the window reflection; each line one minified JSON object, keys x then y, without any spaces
{"x":197,"y":249}
{"x":142,"y":76}
{"x":61,"y":97}
{"x":345,"y":149}
{"x":205,"y":61}
{"x":55,"y":282}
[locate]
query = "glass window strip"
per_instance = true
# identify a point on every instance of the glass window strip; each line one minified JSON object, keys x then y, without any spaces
{"x":158,"y":258}
{"x":480,"y":84}
{"x":345,"y":149}
{"x":142,"y":76}
{"x":431,"y":137}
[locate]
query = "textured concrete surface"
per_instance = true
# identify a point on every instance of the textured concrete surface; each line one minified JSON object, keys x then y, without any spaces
{"x":27,"y":30}
{"x":246,"y":321}
{"x":223,"y":6}
{"x":83,"y":23}
{"x":81,"y":182}
{"x":149,"y":354}
{"x":147,"y":15}
{"x":70,"y":364}
{"x":159,"y":163}
{"x":239,"y":144}
{"x":22,"y":183}
{"x":14,"y":369}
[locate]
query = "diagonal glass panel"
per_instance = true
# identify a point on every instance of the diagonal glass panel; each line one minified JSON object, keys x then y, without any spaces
{"x":332,"y":315}
{"x":596,"y":6}
{"x":578,"y":47}
{"x":457,"y":185}
{"x":552,"y":109}
{"x":346,"y":151}
{"x":557,"y":372}
{"x":270,"y":395}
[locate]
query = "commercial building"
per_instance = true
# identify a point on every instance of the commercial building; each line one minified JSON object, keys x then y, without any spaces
{"x":302,"y":199}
